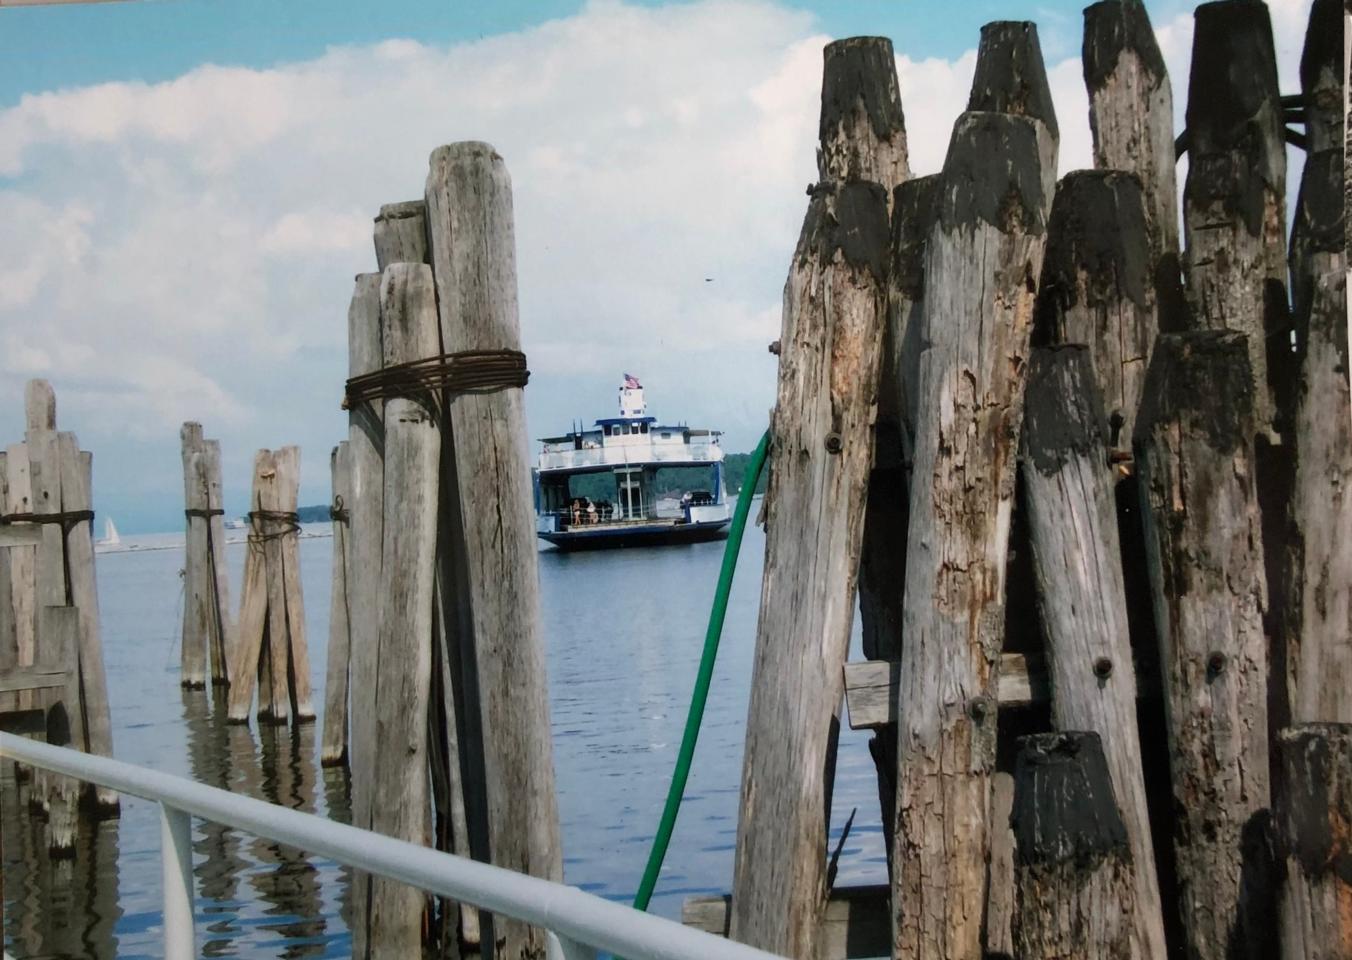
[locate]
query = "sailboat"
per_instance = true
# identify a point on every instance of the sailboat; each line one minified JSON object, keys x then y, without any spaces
{"x":111,"y":540}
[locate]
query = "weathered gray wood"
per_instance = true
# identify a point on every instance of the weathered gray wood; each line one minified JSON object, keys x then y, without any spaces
{"x":10,"y":537}
{"x":1195,"y":459}
{"x":401,"y":806}
{"x":1321,"y":77}
{"x":44,"y":479}
{"x":1315,"y":592}
{"x":36,"y":677}
{"x":1234,"y":214}
{"x":1312,"y":815}
{"x":871,"y":687}
{"x":221,"y":621}
{"x":276,"y":708}
{"x":401,"y":233}
{"x":59,"y":627}
{"x":1073,"y":876}
{"x":18,"y":536}
{"x":1096,"y":287}
{"x":22,"y":560}
{"x":1072,"y":518}
{"x":834,"y":305}
{"x":333,"y":749}
{"x":862,"y":129}
{"x":77,"y":484}
{"x":1131,"y":117}
{"x":1010,"y":78}
{"x":1000,"y":892}
{"x":249,"y":647}
{"x":366,"y":440}
{"x":196,"y":589}
{"x":855,"y":921}
{"x":981,"y":268}
{"x":469,"y":209}
{"x":288,"y":482}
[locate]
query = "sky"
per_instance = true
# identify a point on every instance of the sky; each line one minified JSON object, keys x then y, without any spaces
{"x":187,"y":188}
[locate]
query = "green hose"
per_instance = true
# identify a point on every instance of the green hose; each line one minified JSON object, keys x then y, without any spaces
{"x":706,"y":671}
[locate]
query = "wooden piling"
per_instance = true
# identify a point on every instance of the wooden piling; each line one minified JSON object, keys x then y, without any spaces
{"x":400,"y":806}
{"x":1314,"y":808}
{"x":288,"y":481}
{"x":250,"y":649}
{"x":59,"y":627}
{"x":333,"y":749}
{"x":1096,"y":287}
{"x":1195,"y":460}
{"x":23,"y":562}
{"x":981,"y":268}
{"x":1131,"y":118}
{"x":401,"y":233}
{"x":1234,"y":214}
{"x":1072,"y":519}
{"x":862,"y":129}
{"x":9,"y":651}
{"x":498,"y":626}
{"x":1010,"y":78}
{"x":1322,"y":70}
{"x":834,"y":305}
{"x":208,"y":627}
{"x":1075,"y":884}
{"x":266,"y":537}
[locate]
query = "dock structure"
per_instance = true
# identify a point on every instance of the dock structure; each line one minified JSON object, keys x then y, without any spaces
{"x":1164,"y":459}
{"x":444,"y":645}
{"x":52,"y":681}
{"x":208,"y":640}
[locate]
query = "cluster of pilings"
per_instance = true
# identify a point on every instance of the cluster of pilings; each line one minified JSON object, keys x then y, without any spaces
{"x":52,"y":682}
{"x":1095,"y":494}
{"x":435,"y":652}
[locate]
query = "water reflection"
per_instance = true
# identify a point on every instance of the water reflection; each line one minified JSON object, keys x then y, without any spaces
{"x":56,"y":907}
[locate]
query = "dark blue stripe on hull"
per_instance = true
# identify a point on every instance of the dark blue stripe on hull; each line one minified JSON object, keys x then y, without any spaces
{"x":638,"y":536}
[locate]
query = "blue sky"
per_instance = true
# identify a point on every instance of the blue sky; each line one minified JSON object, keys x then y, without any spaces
{"x":186,"y":190}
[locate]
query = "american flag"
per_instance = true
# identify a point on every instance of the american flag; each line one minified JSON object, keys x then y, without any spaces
{"x":631,"y":383}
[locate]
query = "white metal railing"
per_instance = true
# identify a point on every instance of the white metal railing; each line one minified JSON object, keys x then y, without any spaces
{"x":580,"y":924}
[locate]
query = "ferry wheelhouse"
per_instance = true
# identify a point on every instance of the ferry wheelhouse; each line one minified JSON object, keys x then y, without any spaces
{"x":630,"y":481}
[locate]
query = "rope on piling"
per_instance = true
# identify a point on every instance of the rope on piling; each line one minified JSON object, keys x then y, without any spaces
{"x":289,"y":520}
{"x":468,"y":371}
{"x":339,"y":513}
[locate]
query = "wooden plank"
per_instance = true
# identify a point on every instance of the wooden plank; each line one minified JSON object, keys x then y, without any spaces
{"x":1311,"y":819}
{"x":830,"y":353}
{"x":871,"y":687}
{"x":408,"y":565}
{"x":366,"y":443}
{"x":1195,"y":461}
{"x":473,"y":248}
{"x":193,"y":643}
{"x":288,"y":483}
{"x":981,"y":265}
{"x":25,"y":535}
{"x":1075,"y":884}
{"x":37,"y":677}
{"x":23,"y":562}
{"x":401,"y":233}
{"x":253,"y":608}
{"x":77,"y":483}
{"x":59,"y":627}
{"x":1131,"y":117}
{"x":333,"y":748}
{"x":1234,"y":216}
{"x":855,"y":921}
{"x":221,"y":618}
{"x":1077,"y":561}
{"x":1000,"y":893}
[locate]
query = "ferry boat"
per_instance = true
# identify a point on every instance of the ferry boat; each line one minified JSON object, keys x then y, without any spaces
{"x":600,"y":487}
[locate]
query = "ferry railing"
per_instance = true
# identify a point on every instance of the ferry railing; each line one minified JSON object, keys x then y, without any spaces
{"x":580,"y":925}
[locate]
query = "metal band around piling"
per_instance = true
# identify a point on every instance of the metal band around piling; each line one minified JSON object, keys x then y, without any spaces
{"x":204,"y":514}
{"x":67,"y":518}
{"x":468,"y":371}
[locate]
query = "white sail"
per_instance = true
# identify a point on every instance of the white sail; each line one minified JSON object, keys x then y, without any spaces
{"x":110,"y":532}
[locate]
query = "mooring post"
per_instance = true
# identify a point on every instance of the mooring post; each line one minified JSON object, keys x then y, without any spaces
{"x":268,"y":541}
{"x":1313,"y":810}
{"x":333,"y":749}
{"x":59,"y":627}
{"x":23,"y":563}
{"x":250,"y":652}
{"x":1074,"y":878}
{"x":982,"y":264}
{"x":401,"y":795}
{"x":1234,"y":213}
{"x":193,"y":641}
{"x":220,"y":619}
{"x":366,"y":445}
{"x":288,"y":484}
{"x":1072,"y":520}
{"x":9,"y":651}
{"x":1322,"y":71}
{"x":400,"y":233}
{"x":862,"y":128}
{"x":1195,"y":460}
{"x":882,"y":555}
{"x":1131,"y":117}
{"x":506,"y":738}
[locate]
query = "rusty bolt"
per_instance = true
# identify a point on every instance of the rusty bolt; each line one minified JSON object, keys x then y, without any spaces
{"x":1215,"y":663}
{"x":774,"y":348}
{"x":833,"y":443}
{"x":978,"y":708}
{"x":1103,"y":668}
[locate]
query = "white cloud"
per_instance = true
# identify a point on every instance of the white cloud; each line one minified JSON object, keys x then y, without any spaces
{"x":185,"y":249}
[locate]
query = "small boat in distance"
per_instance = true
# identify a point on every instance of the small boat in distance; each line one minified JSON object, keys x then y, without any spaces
{"x":629,"y":481}
{"x":236,"y":523}
{"x":111,"y":539}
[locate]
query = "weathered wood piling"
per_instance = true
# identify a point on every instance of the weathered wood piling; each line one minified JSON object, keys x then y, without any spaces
{"x":271,"y":648}
{"x":208,"y":623}
{"x":337,"y":676}
{"x":51,"y":656}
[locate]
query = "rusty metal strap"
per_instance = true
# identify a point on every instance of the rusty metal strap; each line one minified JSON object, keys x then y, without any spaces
{"x":67,"y":518}
{"x":204,"y":514}
{"x":469,"y":371}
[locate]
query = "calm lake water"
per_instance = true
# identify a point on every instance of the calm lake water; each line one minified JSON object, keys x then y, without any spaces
{"x":624,"y":631}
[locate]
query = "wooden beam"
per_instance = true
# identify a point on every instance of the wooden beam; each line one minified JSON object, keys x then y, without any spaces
{"x":33,"y":678}
{"x":19,"y":535}
{"x":856,"y":921}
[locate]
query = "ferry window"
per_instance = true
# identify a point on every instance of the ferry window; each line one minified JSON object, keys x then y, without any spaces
{"x":644,"y":428}
{"x":666,"y":435}
{"x":633,"y":428}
